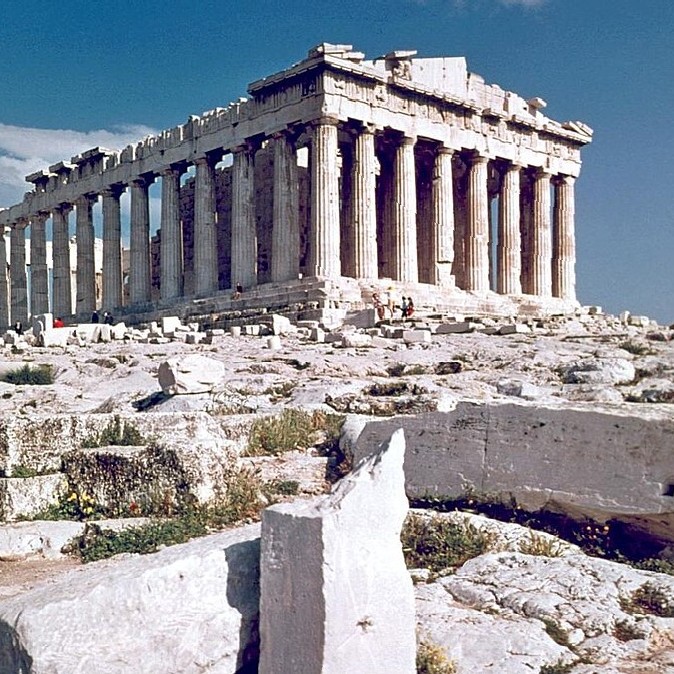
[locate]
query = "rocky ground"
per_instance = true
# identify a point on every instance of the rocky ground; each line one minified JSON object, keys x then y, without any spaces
{"x":566,"y":612}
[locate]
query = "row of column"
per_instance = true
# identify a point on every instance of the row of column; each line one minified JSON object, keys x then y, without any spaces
{"x":549,"y":254}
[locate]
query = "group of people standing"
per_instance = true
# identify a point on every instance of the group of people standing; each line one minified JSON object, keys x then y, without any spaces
{"x":387,"y":304}
{"x":107,"y":318}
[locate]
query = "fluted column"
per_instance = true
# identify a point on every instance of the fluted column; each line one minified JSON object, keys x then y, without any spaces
{"x":62,"y":286}
{"x":324,"y":246}
{"x":140,"y":288}
{"x":17,"y":272}
{"x":442,"y":220}
{"x":112,"y":249}
{"x":4,"y":285}
{"x":477,"y":227}
{"x":85,"y":292}
{"x":541,"y":237}
{"x":171,"y":263}
{"x":39,"y":280}
{"x":564,"y":239}
{"x":205,"y":232}
{"x":509,"y":249}
{"x":285,"y":253}
{"x":405,"y":266}
{"x":364,"y":206}
{"x":244,"y":231}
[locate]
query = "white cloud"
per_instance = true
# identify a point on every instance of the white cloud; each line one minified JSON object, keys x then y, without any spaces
{"x":24,"y":150}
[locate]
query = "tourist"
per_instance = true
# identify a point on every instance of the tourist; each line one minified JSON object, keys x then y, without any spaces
{"x":376,"y":300}
{"x":403,"y":307}
{"x":237,"y":293}
{"x":410,"y":307}
{"x":107,"y":318}
{"x":18,"y":328}
{"x":58,"y":323}
{"x":94,"y":317}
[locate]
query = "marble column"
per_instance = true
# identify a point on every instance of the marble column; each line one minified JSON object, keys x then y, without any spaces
{"x":476,"y":274}
{"x":324,"y":244}
{"x":541,"y":237}
{"x":442,"y":221}
{"x":39,"y":279}
{"x":564,"y":239}
{"x":85,"y":292}
{"x":140,"y":288}
{"x":244,"y":230}
{"x":62,"y":285}
{"x":171,"y":248}
{"x":405,"y":266}
{"x":509,"y":247}
{"x":112,"y":249}
{"x":17,"y":272}
{"x":363,"y":211}
{"x":285,"y":254}
{"x":205,"y":252}
{"x":4,"y":285}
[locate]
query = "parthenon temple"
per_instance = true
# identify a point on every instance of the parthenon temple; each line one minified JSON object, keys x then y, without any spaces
{"x":334,"y":178}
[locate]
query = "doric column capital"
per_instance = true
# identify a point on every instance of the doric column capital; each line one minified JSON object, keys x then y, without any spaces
{"x":476,"y":158}
{"x":324,"y":121}
{"x":85,"y":200}
{"x":113,"y":191}
{"x":561,"y":179}
{"x":64,"y":208}
{"x":249,"y":146}
{"x":144,"y":180}
{"x":41,"y":216}
{"x":542,"y":172}
{"x":446,"y":150}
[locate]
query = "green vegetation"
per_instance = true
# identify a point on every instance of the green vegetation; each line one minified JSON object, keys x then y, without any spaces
{"x":541,"y":546}
{"x":40,"y":375}
{"x":245,"y":498}
{"x":636,"y":348}
{"x":284,"y":487}
{"x":649,"y":599}
{"x":437,"y":544}
{"x":431,"y":659}
{"x":117,"y":432}
{"x":76,"y":505}
{"x":559,"y":667}
{"x":293,"y":429}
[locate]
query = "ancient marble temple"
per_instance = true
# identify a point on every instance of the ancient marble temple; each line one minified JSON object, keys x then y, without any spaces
{"x":342,"y":171}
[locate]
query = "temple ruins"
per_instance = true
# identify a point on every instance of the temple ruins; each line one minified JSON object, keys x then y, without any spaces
{"x":341,"y":176}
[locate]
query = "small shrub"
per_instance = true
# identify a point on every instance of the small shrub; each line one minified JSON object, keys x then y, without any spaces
{"x":541,"y":546}
{"x":556,"y":633}
{"x":293,"y":429}
{"x":279,"y":392}
{"x":284,"y":487}
{"x":649,"y":599}
{"x":26,"y":471}
{"x":436,"y":543}
{"x":76,"y":506}
{"x":431,"y":659}
{"x":32,"y":376}
{"x":636,"y":348}
{"x":624,"y":630}
{"x":117,"y":432}
{"x":559,"y":667}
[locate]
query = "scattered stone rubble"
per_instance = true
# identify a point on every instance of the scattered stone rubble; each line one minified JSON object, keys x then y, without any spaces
{"x":571,"y":412}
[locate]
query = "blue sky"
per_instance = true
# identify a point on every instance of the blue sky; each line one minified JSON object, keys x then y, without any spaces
{"x":76,"y":74}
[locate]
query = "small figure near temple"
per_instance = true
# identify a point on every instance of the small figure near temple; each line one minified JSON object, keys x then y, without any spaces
{"x":18,"y":328}
{"x":94,"y":317}
{"x":403,"y":307}
{"x":107,"y":318}
{"x":410,"y":307}
{"x":58,"y":323}
{"x":381,"y":310}
{"x":237,"y":292}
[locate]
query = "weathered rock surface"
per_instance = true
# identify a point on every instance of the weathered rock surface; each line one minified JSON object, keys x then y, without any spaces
{"x":188,"y":609}
{"x":561,"y":458}
{"x":332,"y":570}
{"x":514,"y":613}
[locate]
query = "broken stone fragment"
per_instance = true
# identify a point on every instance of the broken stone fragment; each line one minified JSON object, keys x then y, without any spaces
{"x":335,"y":594}
{"x":192,"y":374}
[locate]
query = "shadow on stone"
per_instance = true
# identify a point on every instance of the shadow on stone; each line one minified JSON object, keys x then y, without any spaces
{"x":150,"y":401}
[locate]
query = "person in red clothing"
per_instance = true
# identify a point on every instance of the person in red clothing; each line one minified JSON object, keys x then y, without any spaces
{"x":58,"y":323}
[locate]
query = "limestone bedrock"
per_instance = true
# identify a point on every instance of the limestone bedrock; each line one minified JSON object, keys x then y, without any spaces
{"x":335,"y":595}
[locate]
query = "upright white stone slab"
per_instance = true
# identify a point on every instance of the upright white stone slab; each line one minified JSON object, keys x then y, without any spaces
{"x":335,"y":594}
